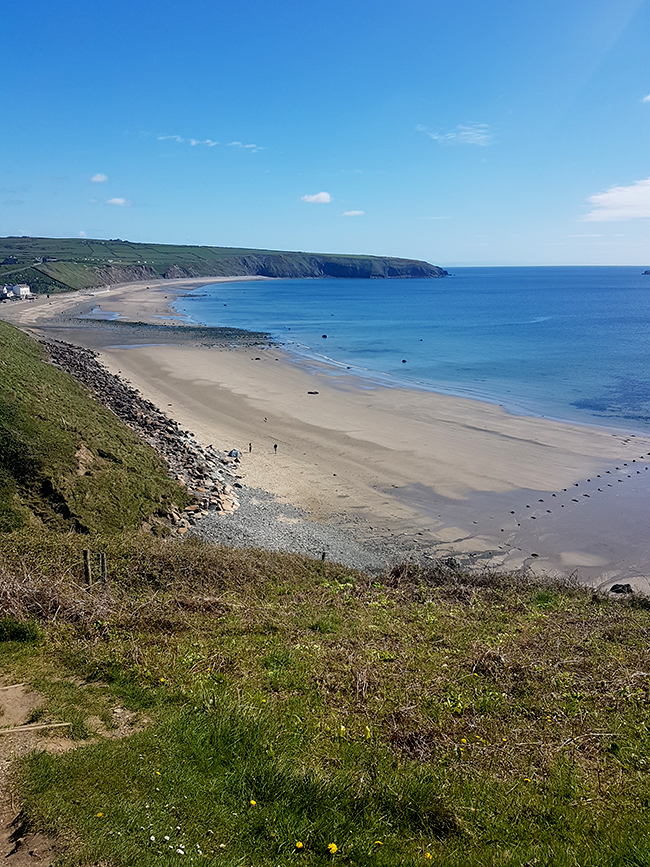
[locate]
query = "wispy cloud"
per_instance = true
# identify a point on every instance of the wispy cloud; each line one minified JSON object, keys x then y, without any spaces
{"x":317,"y":198}
{"x":646,"y":98}
{"x":253,"y":148}
{"x":176,"y":138}
{"x":82,"y":234}
{"x":620,"y":203}
{"x":99,"y":178}
{"x":353,"y":214}
{"x":207,"y":142}
{"x":465,"y":133}
{"x":119,"y":203}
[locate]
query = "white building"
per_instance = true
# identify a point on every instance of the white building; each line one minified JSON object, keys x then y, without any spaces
{"x":21,"y":290}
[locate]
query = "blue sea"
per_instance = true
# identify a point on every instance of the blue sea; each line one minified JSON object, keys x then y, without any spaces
{"x":564,"y":342}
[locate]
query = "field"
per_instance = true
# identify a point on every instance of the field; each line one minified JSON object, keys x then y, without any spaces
{"x":278,"y":705}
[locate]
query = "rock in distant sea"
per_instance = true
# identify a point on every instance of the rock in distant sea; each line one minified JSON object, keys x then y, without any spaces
{"x":646,"y":273}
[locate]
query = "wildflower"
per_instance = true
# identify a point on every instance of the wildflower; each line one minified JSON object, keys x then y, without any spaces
{"x":99,"y":815}
{"x":526,"y":780}
{"x":166,"y":838}
{"x":253,"y":803}
{"x":152,"y":838}
{"x":332,"y":848}
{"x":378,"y":843}
{"x":299,"y":845}
{"x":428,"y":856}
{"x":180,"y":852}
{"x":463,"y":740}
{"x":159,"y":774}
{"x":162,"y":679}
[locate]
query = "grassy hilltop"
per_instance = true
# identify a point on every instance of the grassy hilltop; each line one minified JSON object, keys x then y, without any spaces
{"x":60,"y":265}
{"x":233,"y":707}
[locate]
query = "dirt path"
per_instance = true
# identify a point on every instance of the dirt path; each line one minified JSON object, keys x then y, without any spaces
{"x":17,"y":847}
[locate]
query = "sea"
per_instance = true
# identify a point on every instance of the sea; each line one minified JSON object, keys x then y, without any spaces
{"x":569,"y":343}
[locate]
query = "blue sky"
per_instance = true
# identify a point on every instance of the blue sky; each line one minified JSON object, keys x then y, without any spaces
{"x":467,"y":133}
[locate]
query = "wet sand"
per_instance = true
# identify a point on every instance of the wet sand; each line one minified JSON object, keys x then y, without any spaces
{"x":461,"y":477}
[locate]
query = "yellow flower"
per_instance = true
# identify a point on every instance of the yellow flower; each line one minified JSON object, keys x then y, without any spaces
{"x":99,"y":815}
{"x":332,"y":848}
{"x":378,"y":843}
{"x":159,"y":774}
{"x":299,"y":845}
{"x":253,"y":803}
{"x":162,"y":679}
{"x":526,"y":780}
{"x":368,"y":733}
{"x":463,"y":740}
{"x":428,"y":856}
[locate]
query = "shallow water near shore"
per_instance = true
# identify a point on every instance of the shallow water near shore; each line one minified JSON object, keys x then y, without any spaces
{"x":566,"y":342}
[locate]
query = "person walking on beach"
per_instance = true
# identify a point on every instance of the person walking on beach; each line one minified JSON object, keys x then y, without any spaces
{"x":250,"y":448}
{"x":275,"y":448}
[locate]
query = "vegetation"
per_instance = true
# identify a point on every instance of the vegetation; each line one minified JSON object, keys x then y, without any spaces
{"x":238,"y":707}
{"x":278,"y":705}
{"x":60,"y":265}
{"x":66,"y":461}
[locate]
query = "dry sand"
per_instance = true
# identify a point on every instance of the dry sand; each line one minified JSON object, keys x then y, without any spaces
{"x":463,"y":476}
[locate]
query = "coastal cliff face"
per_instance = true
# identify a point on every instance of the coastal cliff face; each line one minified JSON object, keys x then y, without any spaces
{"x":59,"y":265}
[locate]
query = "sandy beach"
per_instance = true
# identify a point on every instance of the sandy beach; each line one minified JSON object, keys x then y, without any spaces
{"x":462,"y":477}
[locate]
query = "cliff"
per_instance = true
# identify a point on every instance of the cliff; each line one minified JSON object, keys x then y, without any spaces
{"x":60,"y":265}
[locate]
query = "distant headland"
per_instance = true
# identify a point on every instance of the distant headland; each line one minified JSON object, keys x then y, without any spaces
{"x":65,"y":264}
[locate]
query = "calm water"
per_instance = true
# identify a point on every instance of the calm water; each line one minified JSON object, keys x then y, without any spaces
{"x":571,"y":343}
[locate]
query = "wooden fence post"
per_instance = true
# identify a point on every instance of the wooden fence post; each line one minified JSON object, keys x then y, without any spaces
{"x":88,"y":574}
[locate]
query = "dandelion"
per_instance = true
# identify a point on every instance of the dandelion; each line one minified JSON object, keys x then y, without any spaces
{"x":526,"y":780}
{"x":332,"y":848}
{"x":99,"y":815}
{"x":159,"y":774}
{"x":378,"y":843}
{"x":253,"y":803}
{"x":428,"y":856}
{"x":299,"y":845}
{"x":463,"y":740}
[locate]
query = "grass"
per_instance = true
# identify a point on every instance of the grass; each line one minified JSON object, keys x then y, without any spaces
{"x":65,"y":460}
{"x":482,"y":719}
{"x":76,"y":263}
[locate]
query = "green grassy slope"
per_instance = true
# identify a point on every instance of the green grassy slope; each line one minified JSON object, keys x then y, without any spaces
{"x":52,"y":265}
{"x":65,"y":460}
{"x":432,"y":716}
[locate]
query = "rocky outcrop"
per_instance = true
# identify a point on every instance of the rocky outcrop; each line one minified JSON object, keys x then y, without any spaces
{"x":209,"y":475}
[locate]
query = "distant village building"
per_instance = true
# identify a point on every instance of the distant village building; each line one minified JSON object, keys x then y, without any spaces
{"x":17,"y":291}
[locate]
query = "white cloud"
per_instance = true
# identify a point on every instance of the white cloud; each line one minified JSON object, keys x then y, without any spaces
{"x":620,"y":203}
{"x":246,"y":147}
{"x":207,"y":142}
{"x":353,"y":214}
{"x":82,"y":234}
{"x":120,"y":203}
{"x":317,"y":198}
{"x":646,"y":98}
{"x":99,"y":178}
{"x":176,"y":138}
{"x":465,"y":133}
